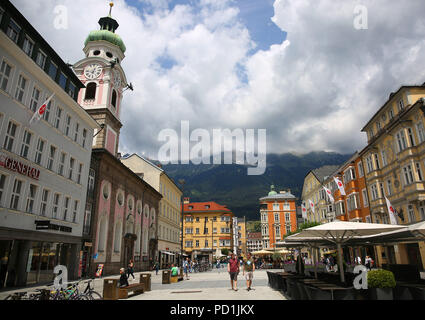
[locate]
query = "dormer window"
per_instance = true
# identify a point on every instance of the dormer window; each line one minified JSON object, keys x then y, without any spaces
{"x":190,"y":207}
{"x":207,"y":206}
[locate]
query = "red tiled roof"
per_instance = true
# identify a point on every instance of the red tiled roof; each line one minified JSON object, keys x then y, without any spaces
{"x":200,"y":207}
{"x":254,"y":235}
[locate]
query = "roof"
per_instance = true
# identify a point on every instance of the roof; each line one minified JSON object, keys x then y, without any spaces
{"x":279,"y":196}
{"x":323,"y":172}
{"x":106,"y":35}
{"x":389,"y":99}
{"x":200,"y":207}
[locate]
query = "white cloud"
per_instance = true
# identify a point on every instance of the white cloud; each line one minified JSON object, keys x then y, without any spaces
{"x":315,"y":91}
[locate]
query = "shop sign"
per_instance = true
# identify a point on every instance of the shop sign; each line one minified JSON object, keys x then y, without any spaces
{"x":17,"y":166}
{"x":88,"y":244}
{"x":47,"y":225}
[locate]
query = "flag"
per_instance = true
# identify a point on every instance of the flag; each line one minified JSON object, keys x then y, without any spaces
{"x":41,"y":110}
{"x":340,"y":186}
{"x":311,"y":205}
{"x":329,"y":194}
{"x":392,"y":212}
{"x":304,"y":211}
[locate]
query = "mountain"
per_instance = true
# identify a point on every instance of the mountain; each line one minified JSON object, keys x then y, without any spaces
{"x":230,"y":185}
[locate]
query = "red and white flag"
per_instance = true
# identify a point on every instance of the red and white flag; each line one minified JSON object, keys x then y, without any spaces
{"x":311,"y":205}
{"x":329,"y":193}
{"x":304,"y":211}
{"x":41,"y":110}
{"x":340,"y":186}
{"x":392,"y":211}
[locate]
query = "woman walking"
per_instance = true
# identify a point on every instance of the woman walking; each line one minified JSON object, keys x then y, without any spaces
{"x":130,"y":269}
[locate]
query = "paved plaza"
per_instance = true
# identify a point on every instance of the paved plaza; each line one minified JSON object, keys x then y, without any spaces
{"x":211,"y":285}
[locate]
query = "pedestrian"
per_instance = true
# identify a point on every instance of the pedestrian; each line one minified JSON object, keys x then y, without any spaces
{"x":358,"y":260}
{"x":186,"y":266}
{"x":123,"y":279}
{"x":157,"y":267}
{"x":368,"y":262}
{"x":233,"y":269}
{"x":174,"y":270}
{"x":130,"y":269}
{"x":248,"y":268}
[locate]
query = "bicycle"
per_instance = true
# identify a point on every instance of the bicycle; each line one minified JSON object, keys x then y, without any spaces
{"x":89,"y":293}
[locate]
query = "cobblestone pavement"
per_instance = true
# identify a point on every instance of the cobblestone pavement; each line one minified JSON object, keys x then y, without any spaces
{"x":211,"y":285}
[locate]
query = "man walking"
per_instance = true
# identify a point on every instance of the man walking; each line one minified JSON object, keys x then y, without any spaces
{"x":233,"y":269}
{"x":186,"y":266}
{"x":249,"y":268}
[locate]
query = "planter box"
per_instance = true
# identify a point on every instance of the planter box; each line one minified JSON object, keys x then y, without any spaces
{"x":381,"y":294}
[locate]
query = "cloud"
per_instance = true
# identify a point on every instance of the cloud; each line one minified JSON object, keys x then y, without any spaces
{"x":198,"y":62}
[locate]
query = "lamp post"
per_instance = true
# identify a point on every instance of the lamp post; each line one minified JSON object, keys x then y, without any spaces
{"x":182,"y":183}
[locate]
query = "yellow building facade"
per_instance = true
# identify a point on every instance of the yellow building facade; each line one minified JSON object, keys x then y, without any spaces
{"x":394,"y":163}
{"x":207,"y":228}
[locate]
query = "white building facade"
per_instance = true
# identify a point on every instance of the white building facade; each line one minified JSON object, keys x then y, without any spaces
{"x":44,"y":166}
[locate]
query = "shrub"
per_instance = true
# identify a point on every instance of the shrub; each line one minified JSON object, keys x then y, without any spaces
{"x":380,"y":279}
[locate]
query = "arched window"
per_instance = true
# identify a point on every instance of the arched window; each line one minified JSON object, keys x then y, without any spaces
{"x":138,"y":240}
{"x":117,"y":237}
{"x":114,"y":99}
{"x":91,"y":91}
{"x":102,"y":235}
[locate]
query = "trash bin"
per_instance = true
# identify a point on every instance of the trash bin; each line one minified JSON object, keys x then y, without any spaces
{"x":146,"y":279}
{"x":166,"y":276}
{"x":110,"y":289}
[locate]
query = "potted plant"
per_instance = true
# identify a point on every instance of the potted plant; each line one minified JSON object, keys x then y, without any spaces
{"x":381,"y":284}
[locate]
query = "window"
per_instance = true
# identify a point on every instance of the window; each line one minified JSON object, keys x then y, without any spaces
{"x":80,"y":170}
{"x":365,"y":198}
{"x":55,"y":209}
{"x":401,"y":140}
{"x":378,"y":126}
{"x":16,"y":194}
{"x":28,"y":46}
{"x":381,"y":187}
{"x":74,"y":216}
{"x":419,"y":171}
{"x":71,"y":168}
{"x":10,"y":136}
{"x":26,"y":141}
{"x":13,"y":30}
{"x":53,"y":70}
{"x":384,"y":158}
{"x":276,"y":217}
{"x":411,"y":213}
{"x":197,"y":231}
{"x":43,"y":205}
{"x":377,"y":161}
{"x":189,"y":230}
{"x":91,"y":91}
{"x":84,"y":138}
{"x":72,"y":89}
{"x":76,"y":131}
{"x":277,"y":231}
{"x":51,"y":159}
{"x":39,"y":151}
{"x":46,"y":114}
{"x":35,"y":99}
{"x":287,"y":217}
{"x":66,"y":208}
{"x":411,"y":137}
{"x":389,"y":187}
{"x":197,"y":243}
{"x":1,"y":14}
{"x":400,"y":105}
{"x":408,"y":174}
{"x":41,"y":59}
{"x":371,"y":133}
{"x":421,"y":131}
{"x":4,"y":75}
{"x":391,"y":114}
{"x":374,"y":192}
{"x":2,"y":184}
{"x":114,"y":99}
{"x":360,"y":168}
{"x":189,"y":244}
{"x":369,"y":164}
{"x":422,"y":210}
{"x":91,"y":180}
{"x":62,"y":80}
{"x":20,"y":89}
{"x":68,"y":125}
{"x":117,"y":237}
{"x":58,"y":117}
{"x":62,"y":164}
{"x":31,"y":198}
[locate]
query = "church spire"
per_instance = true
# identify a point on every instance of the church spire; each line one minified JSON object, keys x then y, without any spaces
{"x":109,"y":23}
{"x":111,"y":5}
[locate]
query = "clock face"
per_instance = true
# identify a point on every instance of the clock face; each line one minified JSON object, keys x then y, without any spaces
{"x":117,"y":79}
{"x":93,"y":71}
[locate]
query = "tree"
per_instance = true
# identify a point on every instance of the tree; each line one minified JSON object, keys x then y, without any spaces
{"x":225,"y":251}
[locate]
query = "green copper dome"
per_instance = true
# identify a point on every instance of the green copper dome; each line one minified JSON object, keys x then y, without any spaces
{"x":106,"y":35}
{"x":272,"y":192}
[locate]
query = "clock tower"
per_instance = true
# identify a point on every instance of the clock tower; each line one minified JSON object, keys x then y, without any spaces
{"x":105,"y":80}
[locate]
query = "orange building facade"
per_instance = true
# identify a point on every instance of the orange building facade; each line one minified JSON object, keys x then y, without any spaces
{"x":278,"y":216}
